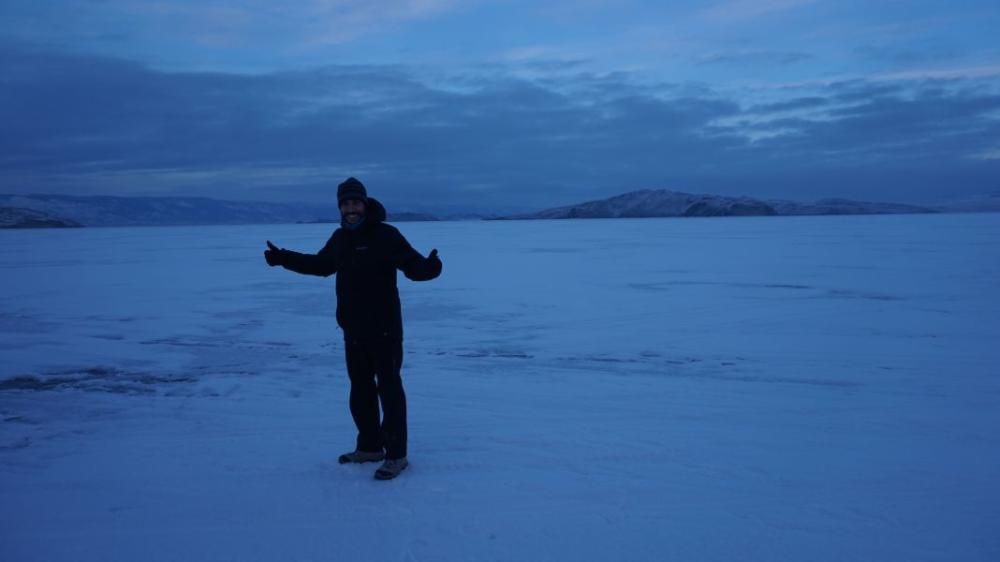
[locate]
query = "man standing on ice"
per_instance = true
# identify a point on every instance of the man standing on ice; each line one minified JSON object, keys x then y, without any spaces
{"x":365,"y":253}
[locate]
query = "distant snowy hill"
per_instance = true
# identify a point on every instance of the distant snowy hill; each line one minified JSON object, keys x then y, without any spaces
{"x":665,"y":203}
{"x":845,"y":207}
{"x":157,"y":211}
{"x":657,"y":203}
{"x":977,"y":204}
{"x":13,"y":217}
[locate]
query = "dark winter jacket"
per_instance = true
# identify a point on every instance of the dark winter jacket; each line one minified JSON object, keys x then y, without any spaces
{"x":365,"y":260}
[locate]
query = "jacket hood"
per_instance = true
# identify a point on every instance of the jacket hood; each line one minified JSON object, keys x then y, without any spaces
{"x":375,"y":211}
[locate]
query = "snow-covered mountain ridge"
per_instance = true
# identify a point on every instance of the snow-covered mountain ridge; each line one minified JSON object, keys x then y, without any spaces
{"x":191,"y":211}
{"x":13,"y":217}
{"x":666,"y":203}
{"x":176,"y":211}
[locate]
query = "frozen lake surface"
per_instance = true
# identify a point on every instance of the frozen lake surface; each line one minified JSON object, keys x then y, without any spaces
{"x":700,"y":389}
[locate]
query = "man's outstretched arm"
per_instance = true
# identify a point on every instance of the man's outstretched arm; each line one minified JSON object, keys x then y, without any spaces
{"x":415,"y":266}
{"x":323,"y":263}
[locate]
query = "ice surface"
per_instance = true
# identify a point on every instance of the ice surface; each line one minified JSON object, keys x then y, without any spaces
{"x":702,"y":389}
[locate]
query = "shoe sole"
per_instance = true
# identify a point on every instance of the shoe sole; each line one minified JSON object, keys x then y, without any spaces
{"x":343,"y":459}
{"x":379,"y":475}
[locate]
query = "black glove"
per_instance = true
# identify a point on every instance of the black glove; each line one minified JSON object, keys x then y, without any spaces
{"x":274,"y":255}
{"x":435,"y":260}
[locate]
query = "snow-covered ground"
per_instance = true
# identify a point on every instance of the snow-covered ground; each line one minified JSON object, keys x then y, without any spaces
{"x":702,"y":389}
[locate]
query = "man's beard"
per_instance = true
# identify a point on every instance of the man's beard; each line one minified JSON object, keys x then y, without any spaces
{"x":353,"y":218}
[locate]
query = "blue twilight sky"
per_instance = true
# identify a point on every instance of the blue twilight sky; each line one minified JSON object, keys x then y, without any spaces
{"x":501,"y":105}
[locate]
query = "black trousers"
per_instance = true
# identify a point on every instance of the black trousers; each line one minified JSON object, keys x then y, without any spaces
{"x":374,"y":370}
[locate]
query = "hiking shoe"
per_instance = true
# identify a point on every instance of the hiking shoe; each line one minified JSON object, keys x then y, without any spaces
{"x":361,"y":456}
{"x":391,"y":468}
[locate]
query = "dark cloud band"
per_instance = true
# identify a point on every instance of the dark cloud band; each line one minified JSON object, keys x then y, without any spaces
{"x":484,"y":139}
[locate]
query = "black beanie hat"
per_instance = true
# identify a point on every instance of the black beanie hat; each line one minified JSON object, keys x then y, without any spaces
{"x":351,"y":188}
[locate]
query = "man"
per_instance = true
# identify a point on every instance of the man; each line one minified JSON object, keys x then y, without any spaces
{"x":365,"y":253}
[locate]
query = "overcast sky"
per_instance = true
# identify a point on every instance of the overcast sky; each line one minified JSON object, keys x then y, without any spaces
{"x":501,"y":104}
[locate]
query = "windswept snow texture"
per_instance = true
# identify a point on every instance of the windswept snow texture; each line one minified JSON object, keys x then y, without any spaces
{"x":821,"y":389}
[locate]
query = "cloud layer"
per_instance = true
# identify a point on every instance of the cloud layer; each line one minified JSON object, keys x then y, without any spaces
{"x":482,"y":138}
